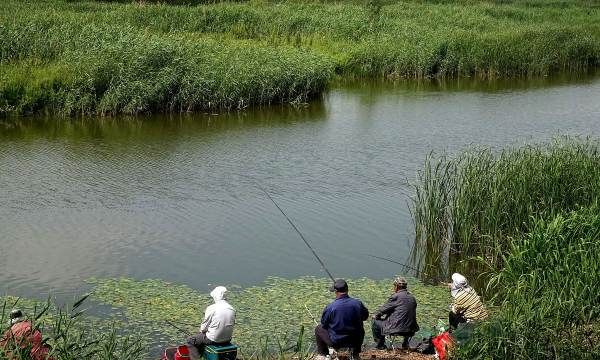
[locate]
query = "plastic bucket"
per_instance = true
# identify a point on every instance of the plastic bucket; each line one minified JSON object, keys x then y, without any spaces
{"x":183,"y":353}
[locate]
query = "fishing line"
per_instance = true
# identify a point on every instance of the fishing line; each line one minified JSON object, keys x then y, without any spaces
{"x":418,"y":273}
{"x":311,"y":315}
{"x":394,"y":261}
{"x":298,"y":231}
{"x":185,"y":332}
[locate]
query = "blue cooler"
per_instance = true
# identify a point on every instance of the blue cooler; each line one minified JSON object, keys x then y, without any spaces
{"x":220,"y":352}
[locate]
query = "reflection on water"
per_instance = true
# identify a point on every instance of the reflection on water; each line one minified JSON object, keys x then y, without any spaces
{"x":170,"y":196}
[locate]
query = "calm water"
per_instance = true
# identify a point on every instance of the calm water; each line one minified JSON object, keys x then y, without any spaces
{"x":170,"y":197}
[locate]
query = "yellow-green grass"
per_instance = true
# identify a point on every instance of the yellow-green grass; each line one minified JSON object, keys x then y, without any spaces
{"x":235,"y":54}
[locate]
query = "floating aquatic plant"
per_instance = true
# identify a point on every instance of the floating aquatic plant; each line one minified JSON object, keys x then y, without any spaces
{"x":276,"y":310}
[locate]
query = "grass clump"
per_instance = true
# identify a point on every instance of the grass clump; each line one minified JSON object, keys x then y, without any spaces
{"x":549,"y":303}
{"x":467,"y":210}
{"x":75,"y":57}
{"x":66,"y":335}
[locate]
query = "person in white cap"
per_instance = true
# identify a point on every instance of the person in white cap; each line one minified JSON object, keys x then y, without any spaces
{"x":466,"y":305}
{"x":217,"y":326}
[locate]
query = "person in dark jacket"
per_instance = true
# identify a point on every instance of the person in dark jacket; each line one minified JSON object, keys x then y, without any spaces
{"x":341,"y":323}
{"x":397,"y":317}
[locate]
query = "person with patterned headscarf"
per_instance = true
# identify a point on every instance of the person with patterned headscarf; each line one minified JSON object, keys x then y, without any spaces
{"x":466,"y":305}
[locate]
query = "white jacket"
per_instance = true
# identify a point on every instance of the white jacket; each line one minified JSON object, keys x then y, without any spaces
{"x":219,"y":318}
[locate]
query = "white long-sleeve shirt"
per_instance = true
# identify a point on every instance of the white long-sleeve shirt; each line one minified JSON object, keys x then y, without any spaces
{"x":219,"y":319}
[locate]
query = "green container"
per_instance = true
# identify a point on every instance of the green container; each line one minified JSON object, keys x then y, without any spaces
{"x":220,"y":352}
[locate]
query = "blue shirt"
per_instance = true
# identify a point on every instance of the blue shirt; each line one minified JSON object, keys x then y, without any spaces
{"x":343,"y":319}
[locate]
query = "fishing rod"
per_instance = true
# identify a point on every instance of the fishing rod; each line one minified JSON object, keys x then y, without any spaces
{"x":298,"y":231}
{"x":395,"y":262}
{"x":402,"y":264}
{"x":185,"y":332}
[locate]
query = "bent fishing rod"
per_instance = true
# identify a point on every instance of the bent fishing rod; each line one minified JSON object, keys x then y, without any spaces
{"x":298,"y":231}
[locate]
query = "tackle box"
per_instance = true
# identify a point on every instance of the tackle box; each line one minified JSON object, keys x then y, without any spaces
{"x":220,"y":352}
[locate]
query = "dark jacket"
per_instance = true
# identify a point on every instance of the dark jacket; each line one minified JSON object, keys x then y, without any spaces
{"x":400,"y":313}
{"x":343,"y":319}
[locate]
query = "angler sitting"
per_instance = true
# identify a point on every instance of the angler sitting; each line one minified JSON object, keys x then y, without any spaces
{"x":217,"y":326}
{"x":466,"y":306}
{"x":341,"y":323}
{"x":398,"y":316}
{"x":23,"y":335}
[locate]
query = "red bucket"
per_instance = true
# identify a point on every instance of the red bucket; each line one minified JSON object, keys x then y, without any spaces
{"x":183,"y":353}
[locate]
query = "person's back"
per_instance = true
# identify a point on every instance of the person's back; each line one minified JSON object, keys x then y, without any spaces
{"x":469,"y":304}
{"x":341,"y":323}
{"x":398,"y":316}
{"x":220,"y":321}
{"x":21,"y":334}
{"x":343,"y":319}
{"x":217,"y":326}
{"x":403,"y":316}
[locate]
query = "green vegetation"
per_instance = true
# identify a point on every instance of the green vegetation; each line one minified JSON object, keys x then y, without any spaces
{"x":84,"y":57}
{"x":548,"y":294}
{"x":68,"y":337}
{"x":526,"y":221}
{"x":278,"y":313}
{"x":274,"y":319}
{"x":468,"y":209}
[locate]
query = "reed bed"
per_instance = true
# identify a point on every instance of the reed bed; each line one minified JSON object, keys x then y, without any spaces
{"x":76,"y":57}
{"x":549,"y":307}
{"x":468,"y":209}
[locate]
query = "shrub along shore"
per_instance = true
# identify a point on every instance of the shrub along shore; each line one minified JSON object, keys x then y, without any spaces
{"x":525,"y":224}
{"x":86,"y":57}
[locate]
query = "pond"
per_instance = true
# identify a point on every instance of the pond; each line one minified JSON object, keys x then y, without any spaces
{"x":175,"y":197}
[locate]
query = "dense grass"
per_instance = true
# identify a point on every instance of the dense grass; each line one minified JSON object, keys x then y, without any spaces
{"x":66,"y":335}
{"x":524,"y":224}
{"x":548,"y":294}
{"x":468,"y":209}
{"x":112,"y":57}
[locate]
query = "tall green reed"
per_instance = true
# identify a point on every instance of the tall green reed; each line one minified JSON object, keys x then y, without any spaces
{"x":547,"y":294}
{"x":467,"y":209}
{"x":76,"y":57}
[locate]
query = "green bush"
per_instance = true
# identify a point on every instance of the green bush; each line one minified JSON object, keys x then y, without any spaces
{"x":547,"y":293}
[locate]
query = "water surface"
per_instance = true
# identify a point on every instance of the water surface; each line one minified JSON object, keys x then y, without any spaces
{"x":172,"y":197}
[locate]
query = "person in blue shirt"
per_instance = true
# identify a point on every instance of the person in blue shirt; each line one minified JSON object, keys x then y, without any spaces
{"x":341,"y":323}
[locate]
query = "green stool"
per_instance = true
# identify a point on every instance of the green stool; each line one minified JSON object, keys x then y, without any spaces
{"x":220,"y":352}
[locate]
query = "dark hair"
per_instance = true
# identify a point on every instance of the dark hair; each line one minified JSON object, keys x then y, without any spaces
{"x":15,"y":314}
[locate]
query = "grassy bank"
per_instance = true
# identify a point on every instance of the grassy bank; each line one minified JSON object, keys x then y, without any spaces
{"x":524,"y":225}
{"x":273,"y":319}
{"x":110,"y":57}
